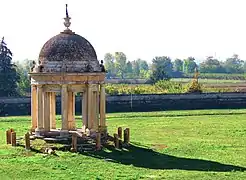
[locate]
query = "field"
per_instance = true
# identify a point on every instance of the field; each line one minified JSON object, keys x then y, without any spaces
{"x":205,"y":144}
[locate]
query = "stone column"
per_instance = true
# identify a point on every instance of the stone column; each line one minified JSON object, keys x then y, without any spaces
{"x":102,"y":107}
{"x":93,"y":111}
{"x":40,"y":111}
{"x":47,"y":111}
{"x":90,"y":106}
{"x":53,"y":110}
{"x":71,"y":118}
{"x":96,"y":96}
{"x":85,"y":109}
{"x":34,"y":107}
{"x":64,"y":107}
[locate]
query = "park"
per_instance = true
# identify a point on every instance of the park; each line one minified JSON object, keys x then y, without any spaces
{"x":76,"y":124}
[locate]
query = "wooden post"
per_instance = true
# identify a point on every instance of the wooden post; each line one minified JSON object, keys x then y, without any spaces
{"x":74,"y":142}
{"x":27,"y":141}
{"x":98,"y":141}
{"x":8,"y":137}
{"x":126,"y":136}
{"x":120,"y":132}
{"x":116,"y":141}
{"x":13,"y":138}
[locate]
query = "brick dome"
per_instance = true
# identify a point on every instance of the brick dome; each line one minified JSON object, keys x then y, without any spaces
{"x":68,"y":52}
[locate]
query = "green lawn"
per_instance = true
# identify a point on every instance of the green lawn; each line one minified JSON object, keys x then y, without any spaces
{"x":207,"y":144}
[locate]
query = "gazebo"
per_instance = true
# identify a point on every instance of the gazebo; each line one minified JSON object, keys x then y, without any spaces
{"x":67,"y":65}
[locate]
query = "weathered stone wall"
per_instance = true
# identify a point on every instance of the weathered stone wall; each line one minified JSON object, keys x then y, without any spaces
{"x":128,"y":103}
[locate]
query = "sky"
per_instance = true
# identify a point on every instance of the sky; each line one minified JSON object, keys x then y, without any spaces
{"x":139,"y":28}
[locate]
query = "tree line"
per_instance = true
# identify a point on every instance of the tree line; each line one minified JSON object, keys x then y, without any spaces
{"x":14,"y":78}
{"x":118,"y":66}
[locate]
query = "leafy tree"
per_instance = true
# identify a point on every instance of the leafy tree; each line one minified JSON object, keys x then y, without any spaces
{"x":23,"y":68}
{"x":161,"y":69}
{"x":120,"y":63}
{"x":233,"y":65}
{"x":143,"y":65}
{"x":178,"y":65}
{"x":211,"y":65}
{"x":129,"y":69}
{"x":109,"y":65}
{"x":8,"y":74}
{"x":136,"y":68}
{"x":189,"y":65}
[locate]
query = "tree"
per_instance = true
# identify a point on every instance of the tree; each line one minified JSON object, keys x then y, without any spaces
{"x":23,"y":68}
{"x":233,"y":64}
{"x":136,"y":68}
{"x":129,"y":69}
{"x":189,"y":65}
{"x":8,"y":74}
{"x":143,"y":65}
{"x":120,"y":63}
{"x":161,"y":69}
{"x":211,"y":65}
{"x":109,"y":65}
{"x":178,"y":65}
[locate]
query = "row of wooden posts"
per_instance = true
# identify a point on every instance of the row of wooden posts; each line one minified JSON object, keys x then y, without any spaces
{"x":11,"y":138}
{"x":118,"y":137}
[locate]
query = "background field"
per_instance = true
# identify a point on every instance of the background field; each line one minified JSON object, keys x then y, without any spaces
{"x":165,"y":145}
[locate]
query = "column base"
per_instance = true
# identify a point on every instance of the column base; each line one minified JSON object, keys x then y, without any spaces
{"x":39,"y":132}
{"x":64,"y":133}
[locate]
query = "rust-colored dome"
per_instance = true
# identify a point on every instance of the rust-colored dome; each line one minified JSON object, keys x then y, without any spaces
{"x":68,"y":52}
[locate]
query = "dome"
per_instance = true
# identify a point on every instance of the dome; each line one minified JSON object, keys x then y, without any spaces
{"x":68,"y":52}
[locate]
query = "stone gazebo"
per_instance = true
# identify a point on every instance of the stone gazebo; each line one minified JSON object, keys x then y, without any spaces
{"x":67,"y":65}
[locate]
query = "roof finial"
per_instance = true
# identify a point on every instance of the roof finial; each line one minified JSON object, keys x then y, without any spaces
{"x":66,"y":12}
{"x":67,"y":22}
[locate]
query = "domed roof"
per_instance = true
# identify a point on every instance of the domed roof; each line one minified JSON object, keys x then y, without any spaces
{"x":68,"y":52}
{"x":68,"y":47}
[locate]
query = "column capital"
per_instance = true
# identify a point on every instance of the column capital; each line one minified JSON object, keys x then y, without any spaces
{"x":64,"y":85}
{"x":90,"y":85}
{"x":39,"y":85}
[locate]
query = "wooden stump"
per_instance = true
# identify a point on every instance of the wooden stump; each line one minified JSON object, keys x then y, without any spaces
{"x":8,"y":137}
{"x":116,"y":141}
{"x":27,"y":141}
{"x":98,"y":141}
{"x":126,"y":136}
{"x":74,"y":142}
{"x":13,"y":138}
{"x":120,"y":132}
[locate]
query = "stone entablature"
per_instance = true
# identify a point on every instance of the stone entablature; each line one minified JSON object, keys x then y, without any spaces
{"x":67,"y":78}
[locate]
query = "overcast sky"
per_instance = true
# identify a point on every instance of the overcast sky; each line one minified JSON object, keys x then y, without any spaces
{"x":139,"y":28}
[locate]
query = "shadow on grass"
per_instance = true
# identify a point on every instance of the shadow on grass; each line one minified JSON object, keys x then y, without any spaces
{"x":147,"y":158}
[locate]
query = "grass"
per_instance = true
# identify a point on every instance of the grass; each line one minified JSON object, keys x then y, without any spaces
{"x":201,"y":144}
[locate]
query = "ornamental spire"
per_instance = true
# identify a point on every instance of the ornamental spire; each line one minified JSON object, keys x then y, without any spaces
{"x":67,"y":22}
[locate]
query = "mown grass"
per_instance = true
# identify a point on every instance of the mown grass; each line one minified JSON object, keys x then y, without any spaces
{"x":206,"y":144}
